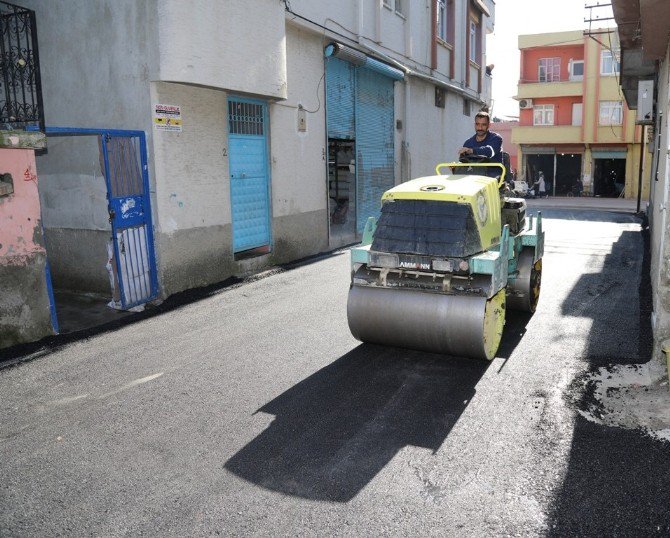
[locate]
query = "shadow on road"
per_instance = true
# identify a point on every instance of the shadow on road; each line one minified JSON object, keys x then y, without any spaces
{"x":337,"y":429}
{"x":617,"y":481}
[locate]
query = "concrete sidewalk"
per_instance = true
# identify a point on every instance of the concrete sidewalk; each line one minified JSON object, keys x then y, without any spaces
{"x":624,"y":205}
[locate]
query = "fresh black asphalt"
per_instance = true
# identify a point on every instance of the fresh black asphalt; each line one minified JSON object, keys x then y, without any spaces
{"x":248,"y":409}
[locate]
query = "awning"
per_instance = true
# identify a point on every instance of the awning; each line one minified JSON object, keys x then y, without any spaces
{"x":616,"y":154}
{"x":356,"y":57}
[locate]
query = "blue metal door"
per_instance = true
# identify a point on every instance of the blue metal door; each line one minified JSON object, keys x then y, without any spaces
{"x":249,"y":173}
{"x":126,"y":174}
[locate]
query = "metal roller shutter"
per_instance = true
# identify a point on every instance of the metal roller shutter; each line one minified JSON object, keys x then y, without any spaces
{"x":340,"y":99}
{"x":374,"y":142}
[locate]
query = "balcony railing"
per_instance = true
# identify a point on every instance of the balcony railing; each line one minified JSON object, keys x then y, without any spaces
{"x":20,"y":84}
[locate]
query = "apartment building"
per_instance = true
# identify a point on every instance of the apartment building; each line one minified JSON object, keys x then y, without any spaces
{"x":573,"y":120}
{"x":192,"y":141}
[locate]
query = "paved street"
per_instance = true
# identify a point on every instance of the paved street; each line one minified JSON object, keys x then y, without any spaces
{"x":254,"y":412}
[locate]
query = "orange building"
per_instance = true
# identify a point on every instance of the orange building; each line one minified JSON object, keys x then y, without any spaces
{"x":573,"y":121}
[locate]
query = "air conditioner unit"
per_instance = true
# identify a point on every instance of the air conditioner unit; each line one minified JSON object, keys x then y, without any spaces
{"x":526,"y":103}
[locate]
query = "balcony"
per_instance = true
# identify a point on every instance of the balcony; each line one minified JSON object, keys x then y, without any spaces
{"x":536,"y":90}
{"x":549,"y":134}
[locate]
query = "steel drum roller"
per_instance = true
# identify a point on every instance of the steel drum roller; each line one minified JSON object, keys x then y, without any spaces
{"x":450,"y":324}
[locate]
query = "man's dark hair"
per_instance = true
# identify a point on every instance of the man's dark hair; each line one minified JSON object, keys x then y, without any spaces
{"x":483,"y":114}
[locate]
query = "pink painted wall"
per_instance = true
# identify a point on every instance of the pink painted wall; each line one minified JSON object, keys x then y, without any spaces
{"x":20,"y":227}
{"x":504,"y":129}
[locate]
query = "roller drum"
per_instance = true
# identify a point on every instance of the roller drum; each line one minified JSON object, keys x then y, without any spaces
{"x":450,"y":324}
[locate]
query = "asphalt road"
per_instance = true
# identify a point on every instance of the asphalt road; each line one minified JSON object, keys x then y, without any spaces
{"x":253,"y":411}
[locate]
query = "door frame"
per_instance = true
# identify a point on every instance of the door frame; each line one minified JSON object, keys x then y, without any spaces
{"x":268,"y":167}
{"x":141,"y":135}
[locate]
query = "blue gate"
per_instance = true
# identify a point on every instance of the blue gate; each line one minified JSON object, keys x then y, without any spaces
{"x":127,"y":178}
{"x":249,"y":173}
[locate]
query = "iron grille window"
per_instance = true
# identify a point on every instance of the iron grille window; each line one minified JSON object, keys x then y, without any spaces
{"x":245,"y":118}
{"x":20,"y":85}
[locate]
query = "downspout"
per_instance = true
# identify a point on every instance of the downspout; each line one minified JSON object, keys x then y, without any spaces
{"x":405,"y":144}
{"x":378,"y":21}
{"x":433,"y":35}
{"x":359,"y":21}
{"x":639,"y":180}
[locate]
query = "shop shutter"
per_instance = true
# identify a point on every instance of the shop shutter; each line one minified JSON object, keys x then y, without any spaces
{"x":374,"y":142}
{"x":340,"y":99}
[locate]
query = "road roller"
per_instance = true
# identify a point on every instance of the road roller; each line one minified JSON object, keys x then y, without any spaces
{"x":448,"y":255}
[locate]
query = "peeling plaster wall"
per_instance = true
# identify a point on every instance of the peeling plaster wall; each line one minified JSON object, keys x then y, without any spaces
{"x":24,"y":300}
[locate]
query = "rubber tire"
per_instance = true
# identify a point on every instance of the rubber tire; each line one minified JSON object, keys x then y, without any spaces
{"x":524,"y":291}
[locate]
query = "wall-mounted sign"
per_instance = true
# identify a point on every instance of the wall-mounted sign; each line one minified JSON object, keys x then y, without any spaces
{"x":167,"y":118}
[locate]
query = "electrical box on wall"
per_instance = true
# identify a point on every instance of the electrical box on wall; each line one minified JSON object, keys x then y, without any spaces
{"x":302,"y":120}
{"x":645,"y":102}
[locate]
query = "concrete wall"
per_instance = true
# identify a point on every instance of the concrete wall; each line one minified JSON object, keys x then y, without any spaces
{"x":205,"y":42}
{"x":74,"y":211}
{"x":659,"y":225}
{"x":24,"y":300}
{"x":435,"y":134}
{"x":298,"y":159}
{"x":96,"y":60}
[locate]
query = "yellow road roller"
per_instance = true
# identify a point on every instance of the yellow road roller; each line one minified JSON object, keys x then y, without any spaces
{"x":446,"y":258}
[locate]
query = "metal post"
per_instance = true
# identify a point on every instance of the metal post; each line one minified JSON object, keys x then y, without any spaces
{"x":639,"y":181}
{"x":553,"y":186}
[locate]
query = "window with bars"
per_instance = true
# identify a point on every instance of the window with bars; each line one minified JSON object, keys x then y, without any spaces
{"x":610,"y":113}
{"x":543,"y":115}
{"x":549,"y":70}
{"x":245,"y":118}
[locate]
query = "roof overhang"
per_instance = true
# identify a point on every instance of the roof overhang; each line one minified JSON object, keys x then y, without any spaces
{"x":645,"y":25}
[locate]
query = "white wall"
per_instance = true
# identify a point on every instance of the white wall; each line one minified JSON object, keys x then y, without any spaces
{"x":235,"y":45}
{"x":298,"y":158}
{"x":192,"y":179}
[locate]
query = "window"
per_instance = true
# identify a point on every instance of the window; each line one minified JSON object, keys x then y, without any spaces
{"x":576,"y":69}
{"x":466,"y":106}
{"x":473,"y":41}
{"x":543,"y":115}
{"x":442,"y":19}
{"x":611,"y":113}
{"x":549,"y":70}
{"x":609,"y":63}
{"x":400,"y":7}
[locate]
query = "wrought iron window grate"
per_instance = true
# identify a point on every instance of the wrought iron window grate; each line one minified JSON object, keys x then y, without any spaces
{"x":245,"y":118}
{"x":20,"y":84}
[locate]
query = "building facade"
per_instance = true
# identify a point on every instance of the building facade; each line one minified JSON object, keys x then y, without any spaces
{"x":187,"y":146}
{"x":573,"y":121}
{"x":645,"y":83}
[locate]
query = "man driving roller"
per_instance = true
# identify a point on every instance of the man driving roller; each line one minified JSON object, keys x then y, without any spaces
{"x":485,"y":143}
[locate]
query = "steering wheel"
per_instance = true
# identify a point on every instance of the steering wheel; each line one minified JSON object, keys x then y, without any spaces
{"x":472,"y":158}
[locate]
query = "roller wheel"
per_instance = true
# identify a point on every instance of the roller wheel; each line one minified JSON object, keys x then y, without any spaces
{"x":449,"y":324}
{"x":524,"y":291}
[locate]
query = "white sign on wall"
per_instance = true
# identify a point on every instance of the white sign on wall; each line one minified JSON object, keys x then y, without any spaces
{"x":167,"y":118}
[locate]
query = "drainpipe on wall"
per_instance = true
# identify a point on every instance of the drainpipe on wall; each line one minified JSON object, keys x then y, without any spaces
{"x":378,"y":21}
{"x":433,"y":36}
